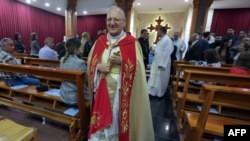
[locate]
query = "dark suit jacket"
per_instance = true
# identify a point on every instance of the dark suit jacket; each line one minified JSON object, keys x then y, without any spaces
{"x":145,"y":49}
{"x":194,"y":52}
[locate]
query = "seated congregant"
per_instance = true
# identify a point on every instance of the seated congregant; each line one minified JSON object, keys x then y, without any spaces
{"x":225,"y":53}
{"x":241,"y":67}
{"x":13,"y":79}
{"x":211,"y":60}
{"x":47,"y":52}
{"x":60,"y":49}
{"x":242,"y":48}
{"x":68,"y":90}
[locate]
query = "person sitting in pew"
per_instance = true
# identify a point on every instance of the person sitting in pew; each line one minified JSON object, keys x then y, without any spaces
{"x":68,"y":90}
{"x":212,"y":60}
{"x":13,"y":79}
{"x":241,"y":67}
{"x":47,"y":52}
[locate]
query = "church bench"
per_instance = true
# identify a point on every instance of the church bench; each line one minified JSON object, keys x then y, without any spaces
{"x":11,"y":131}
{"x":180,"y":67}
{"x":42,"y":62}
{"x":20,"y":55}
{"x":205,"y":122}
{"x":77,"y":124}
{"x":184,"y":96}
{"x":31,"y":96}
{"x":180,"y":81}
{"x":176,"y":63}
{"x":47,"y":63}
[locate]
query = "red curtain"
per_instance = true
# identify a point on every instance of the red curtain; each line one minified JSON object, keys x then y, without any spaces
{"x":91,"y":24}
{"x":239,"y":19}
{"x":18,"y":17}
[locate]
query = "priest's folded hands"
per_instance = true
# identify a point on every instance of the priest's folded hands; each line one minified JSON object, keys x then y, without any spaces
{"x":104,"y":67}
{"x":115,"y":59}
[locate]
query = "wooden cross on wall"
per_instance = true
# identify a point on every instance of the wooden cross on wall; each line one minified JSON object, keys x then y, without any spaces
{"x":151,"y":27}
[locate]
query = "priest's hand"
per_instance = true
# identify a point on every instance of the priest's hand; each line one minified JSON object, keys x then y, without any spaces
{"x":115,"y":59}
{"x":104,"y":67}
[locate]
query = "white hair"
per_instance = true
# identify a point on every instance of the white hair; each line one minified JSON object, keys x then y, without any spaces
{"x":118,"y":9}
{"x":47,"y":40}
{"x":4,"y":41}
{"x":195,"y":35}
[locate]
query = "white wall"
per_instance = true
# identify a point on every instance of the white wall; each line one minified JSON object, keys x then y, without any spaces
{"x":132,"y":23}
{"x":187,"y":33}
{"x":209,"y":19}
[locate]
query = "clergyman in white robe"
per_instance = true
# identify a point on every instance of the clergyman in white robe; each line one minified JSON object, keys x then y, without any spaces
{"x":159,"y":77}
{"x":181,"y":47}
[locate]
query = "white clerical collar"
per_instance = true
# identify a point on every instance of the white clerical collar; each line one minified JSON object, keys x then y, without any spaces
{"x":117,"y":37}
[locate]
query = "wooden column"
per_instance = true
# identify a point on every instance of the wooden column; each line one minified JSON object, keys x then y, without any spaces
{"x":126,"y":5}
{"x":199,"y":16}
{"x":194,"y":16}
{"x":208,"y":4}
{"x":70,"y":19}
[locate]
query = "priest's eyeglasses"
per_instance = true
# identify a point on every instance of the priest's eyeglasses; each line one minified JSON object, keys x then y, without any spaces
{"x":114,"y":20}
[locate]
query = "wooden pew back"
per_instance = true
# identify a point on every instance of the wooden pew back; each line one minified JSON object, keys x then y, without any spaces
{"x":212,"y":93}
{"x":68,"y":75}
{"x":43,"y":62}
{"x":176,"y":63}
{"x":20,"y":55}
{"x":209,"y":77}
{"x":181,"y":67}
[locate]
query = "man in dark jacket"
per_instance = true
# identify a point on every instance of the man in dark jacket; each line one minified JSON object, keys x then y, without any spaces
{"x":194,"y":49}
{"x":143,"y":40}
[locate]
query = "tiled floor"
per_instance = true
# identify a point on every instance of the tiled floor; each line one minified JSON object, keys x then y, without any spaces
{"x":164,"y":121}
{"x":162,"y":113}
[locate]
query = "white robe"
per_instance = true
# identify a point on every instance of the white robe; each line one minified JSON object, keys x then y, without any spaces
{"x":181,"y":47}
{"x":158,"y":79}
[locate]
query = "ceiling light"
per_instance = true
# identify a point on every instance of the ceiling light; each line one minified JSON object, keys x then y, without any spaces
{"x":186,"y":0}
{"x":47,"y":4}
{"x":28,"y":1}
{"x":85,"y":12}
{"x":138,"y":3}
{"x":58,"y":9}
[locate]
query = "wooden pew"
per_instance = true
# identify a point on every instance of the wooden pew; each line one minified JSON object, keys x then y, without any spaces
{"x":77,"y":125}
{"x":176,"y":63}
{"x":11,"y":131}
{"x":181,"y":67}
{"x":204,"y":122}
{"x":43,"y":62}
{"x":178,"y":83}
{"x":20,"y":55}
{"x":184,"y":96}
